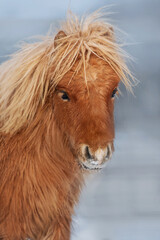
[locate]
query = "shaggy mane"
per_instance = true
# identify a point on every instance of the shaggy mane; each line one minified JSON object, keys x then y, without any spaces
{"x":33,"y":72}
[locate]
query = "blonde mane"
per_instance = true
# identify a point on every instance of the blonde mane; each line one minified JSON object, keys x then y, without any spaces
{"x":32,"y":72}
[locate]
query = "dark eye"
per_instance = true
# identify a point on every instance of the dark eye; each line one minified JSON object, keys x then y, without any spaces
{"x":114,"y":92}
{"x":64,"y":96}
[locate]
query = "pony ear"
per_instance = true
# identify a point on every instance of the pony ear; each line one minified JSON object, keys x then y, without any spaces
{"x":59,"y":35}
{"x":24,"y":85}
{"x":109,"y":33}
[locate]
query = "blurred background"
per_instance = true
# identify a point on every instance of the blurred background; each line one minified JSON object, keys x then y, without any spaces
{"x":122,"y":202}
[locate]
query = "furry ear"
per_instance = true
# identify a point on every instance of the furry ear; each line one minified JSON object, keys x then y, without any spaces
{"x":104,"y":31}
{"x":59,"y":35}
{"x":23,"y":86}
{"x":110,"y":33}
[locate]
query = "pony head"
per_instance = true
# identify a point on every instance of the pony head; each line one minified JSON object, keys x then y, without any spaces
{"x":75,"y":75}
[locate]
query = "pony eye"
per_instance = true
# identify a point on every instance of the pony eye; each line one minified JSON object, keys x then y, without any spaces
{"x":64,"y":96}
{"x":114,"y":92}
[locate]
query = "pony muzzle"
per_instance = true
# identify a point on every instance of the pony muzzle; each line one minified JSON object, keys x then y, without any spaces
{"x":95,"y":159}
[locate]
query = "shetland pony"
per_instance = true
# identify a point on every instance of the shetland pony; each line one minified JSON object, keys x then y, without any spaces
{"x":56,"y":124}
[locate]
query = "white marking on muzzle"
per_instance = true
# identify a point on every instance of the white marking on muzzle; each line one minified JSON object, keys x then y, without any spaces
{"x":100,"y":154}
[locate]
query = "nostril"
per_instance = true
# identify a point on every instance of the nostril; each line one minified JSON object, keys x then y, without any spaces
{"x":87,"y":153}
{"x":109,"y":152}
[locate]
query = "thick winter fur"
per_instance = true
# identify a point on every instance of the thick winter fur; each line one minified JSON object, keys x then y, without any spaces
{"x":40,"y":134}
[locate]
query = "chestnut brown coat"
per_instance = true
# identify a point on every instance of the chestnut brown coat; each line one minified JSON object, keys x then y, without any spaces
{"x":56,"y":121}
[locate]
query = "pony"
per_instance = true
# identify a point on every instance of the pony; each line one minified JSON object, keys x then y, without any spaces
{"x":56,"y":124}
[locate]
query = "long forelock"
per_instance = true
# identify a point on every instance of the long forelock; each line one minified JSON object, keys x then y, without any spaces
{"x":85,"y":37}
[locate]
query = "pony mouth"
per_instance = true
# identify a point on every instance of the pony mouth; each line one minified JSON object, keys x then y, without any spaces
{"x":93,"y":165}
